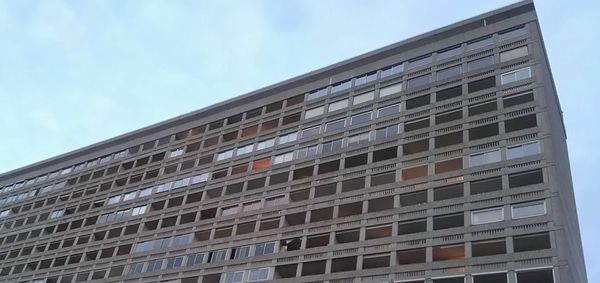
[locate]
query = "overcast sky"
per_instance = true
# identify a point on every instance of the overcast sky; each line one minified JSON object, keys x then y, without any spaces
{"x":74,"y":73}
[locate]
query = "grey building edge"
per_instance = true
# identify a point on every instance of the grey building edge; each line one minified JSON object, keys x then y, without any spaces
{"x":373,"y":60}
{"x":572,"y":267}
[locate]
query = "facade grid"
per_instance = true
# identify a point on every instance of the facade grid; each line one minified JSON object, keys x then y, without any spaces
{"x":438,"y":159}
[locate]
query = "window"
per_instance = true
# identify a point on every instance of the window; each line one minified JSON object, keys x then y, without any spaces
{"x":196,"y":179}
{"x":392,"y":70}
{"x":482,"y":84}
{"x":485,"y":131}
{"x":254,"y":205}
{"x":449,"y":52}
{"x":516,"y":75}
{"x":531,"y":242}
{"x":388,"y":110}
{"x":488,"y":247}
{"x":361,"y":118}
{"x":449,"y":72}
{"x":387,"y":132}
{"x":480,"y":63}
{"x":335,"y":125}
{"x":286,"y":157}
{"x":4,"y":213}
{"x":244,"y":149}
{"x":175,"y":262}
{"x":317,"y":93}
{"x":195,"y":259}
{"x":513,"y":54}
{"x":311,"y":131}
{"x":389,"y":90}
{"x":448,"y":221}
{"x":234,"y":277}
{"x":483,"y":158}
{"x":261,"y":164}
{"x":265,"y":144}
{"x":484,"y":107}
{"x":525,"y":178}
{"x":307,"y":151}
{"x":264,"y":248}
{"x":414,"y":172}
{"x":448,"y":116}
{"x":510,"y":33}
{"x":416,"y":124}
{"x":528,"y":209}
{"x":224,"y":155}
{"x":365,"y":79}
{"x":113,"y":200}
{"x":341,"y":86}
{"x":480,"y":42}
{"x":517,"y":99}
{"x":242,"y":252}
{"x":259,"y":274}
{"x":448,"y":192}
{"x":218,"y":256}
{"x":420,"y":61}
{"x":314,"y":112}
{"x":448,"y":252}
{"x":139,"y":210}
{"x":230,"y":210}
{"x":288,"y":138}
{"x":487,"y":215}
{"x":129,"y":196}
{"x":332,"y":146}
{"x":520,"y":123}
{"x":535,"y":276}
{"x":136,"y":268}
{"x":334,"y":106}
{"x":176,"y":152}
{"x":491,"y":278}
{"x":486,"y":185}
{"x":57,"y":213}
{"x":418,"y":81}
{"x":361,"y":98}
{"x":448,"y":93}
{"x":359,"y":139}
{"x":448,"y":165}
{"x":413,"y":226}
{"x":275,"y":201}
{"x":523,"y":150}
{"x":418,"y":101}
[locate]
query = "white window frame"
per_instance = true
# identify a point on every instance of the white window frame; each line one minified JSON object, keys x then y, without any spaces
{"x":314,"y":112}
{"x":474,"y":212}
{"x":282,"y":158}
{"x":288,"y":138}
{"x":176,"y":152}
{"x":361,"y":114}
{"x":363,"y":97}
{"x":337,"y":105}
{"x":233,"y":275}
{"x":139,"y":210}
{"x":496,"y":151}
{"x":504,"y":78}
{"x":519,"y":147}
{"x":525,"y":204}
{"x":265,"y":144}
{"x":310,"y":129}
{"x":258,"y":271}
{"x":397,"y":105}
{"x":224,"y":155}
{"x":235,"y":209}
{"x":113,"y":200}
{"x":307,"y":150}
{"x":244,"y":149}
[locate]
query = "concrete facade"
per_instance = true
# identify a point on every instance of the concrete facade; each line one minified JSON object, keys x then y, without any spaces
{"x":439,"y":159}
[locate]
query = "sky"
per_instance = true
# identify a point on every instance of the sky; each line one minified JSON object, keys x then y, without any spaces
{"x":73,"y":73}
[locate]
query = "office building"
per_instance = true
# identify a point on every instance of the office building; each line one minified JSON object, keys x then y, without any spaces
{"x":438,"y":159}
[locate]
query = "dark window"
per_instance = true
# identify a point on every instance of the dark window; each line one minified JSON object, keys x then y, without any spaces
{"x":415,"y":147}
{"x":414,"y":172}
{"x":274,"y":106}
{"x":525,"y":178}
{"x":489,"y":247}
{"x":448,"y":116}
{"x":380,"y":204}
{"x":353,"y":184}
{"x":329,"y":167}
{"x":418,"y":101}
{"x":414,"y":226}
{"x":357,"y":160}
{"x":418,"y":81}
{"x":343,"y":264}
{"x":378,"y":232}
{"x":448,"y":253}
{"x":535,"y":276}
{"x":295,"y":100}
{"x":483,"y":108}
{"x":483,"y":132}
{"x":449,"y":280}
{"x":448,"y":139}
{"x":490,"y":278}
{"x":289,"y":119}
{"x":486,"y":185}
{"x":482,"y":84}
{"x":448,"y":93}
{"x":325,"y":190}
{"x":517,"y":99}
{"x":520,"y":123}
{"x":531,"y":242}
{"x":411,"y":256}
{"x":385,"y":154}
{"x":448,"y":221}
{"x":448,"y":192}
{"x":313,"y":267}
{"x":413,"y":198}
{"x":448,"y":165}
{"x":416,"y":124}
{"x":383,"y":178}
